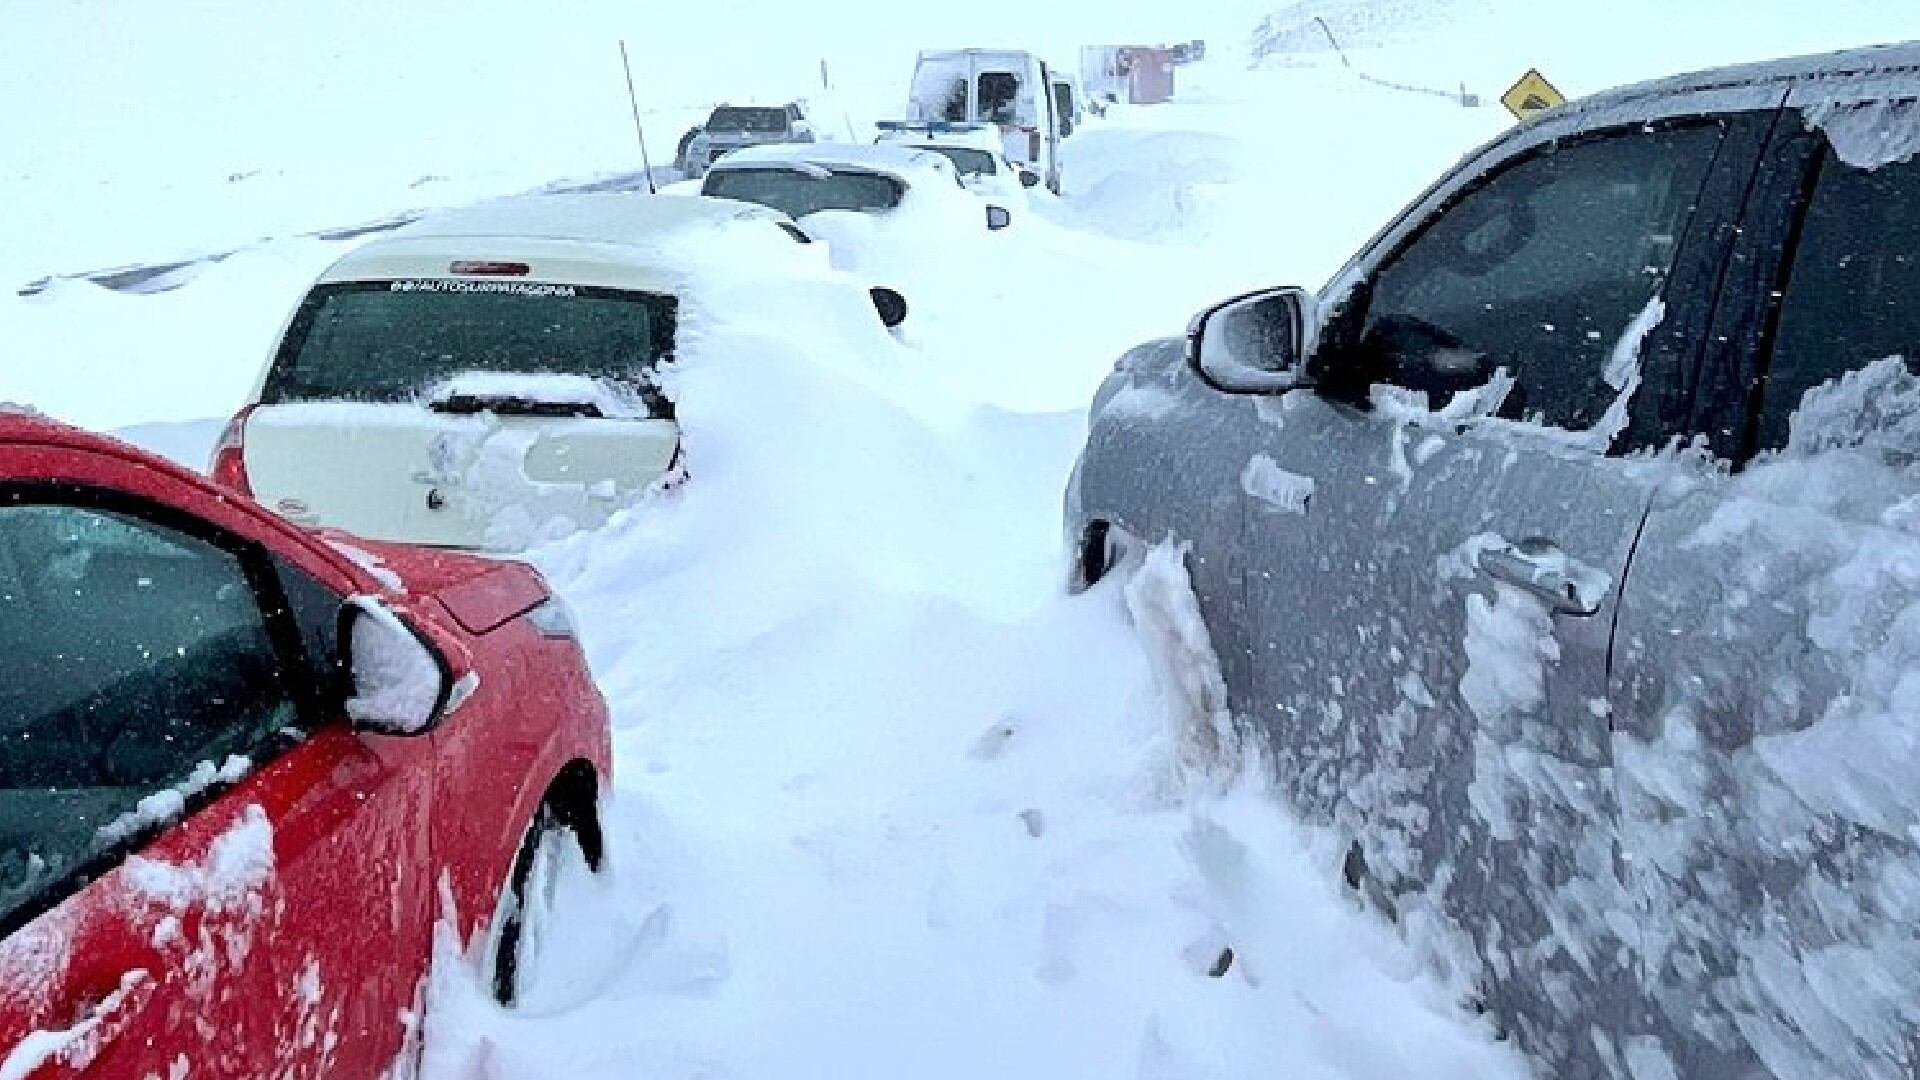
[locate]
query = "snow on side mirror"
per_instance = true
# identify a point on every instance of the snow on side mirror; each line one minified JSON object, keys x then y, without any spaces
{"x":890,"y":304}
{"x":1254,"y":343}
{"x":400,"y":685}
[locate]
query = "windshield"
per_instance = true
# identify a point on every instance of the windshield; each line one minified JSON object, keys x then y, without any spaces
{"x":799,"y":193}
{"x":966,"y":160}
{"x":740,"y":119}
{"x":389,"y":340}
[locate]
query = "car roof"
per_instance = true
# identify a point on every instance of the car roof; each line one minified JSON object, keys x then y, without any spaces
{"x":601,"y":239}
{"x":975,"y":136}
{"x":1769,"y":76}
{"x":902,"y":162}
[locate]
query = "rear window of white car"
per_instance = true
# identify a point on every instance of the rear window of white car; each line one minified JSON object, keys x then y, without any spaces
{"x":967,"y":160}
{"x":390,"y":340}
{"x":800,"y":193}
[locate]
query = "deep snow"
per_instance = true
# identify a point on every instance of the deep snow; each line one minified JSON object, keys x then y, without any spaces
{"x":888,"y":802}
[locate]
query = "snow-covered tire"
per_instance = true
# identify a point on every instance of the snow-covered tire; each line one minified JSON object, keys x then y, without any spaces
{"x":526,"y":903}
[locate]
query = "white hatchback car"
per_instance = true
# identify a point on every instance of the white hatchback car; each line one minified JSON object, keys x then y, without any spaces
{"x":974,"y":150}
{"x":806,"y":179}
{"x":485,"y":377}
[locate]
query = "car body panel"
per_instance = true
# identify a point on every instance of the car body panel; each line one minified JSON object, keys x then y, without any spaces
{"x":1692,"y":852}
{"x":280,"y":924}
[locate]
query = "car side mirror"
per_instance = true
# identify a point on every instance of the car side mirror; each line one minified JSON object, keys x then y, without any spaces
{"x":890,"y":304}
{"x":998,"y":217}
{"x":1029,"y":178}
{"x":399,"y":683}
{"x":1255,"y":343}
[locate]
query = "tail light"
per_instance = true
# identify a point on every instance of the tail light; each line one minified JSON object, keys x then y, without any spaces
{"x":229,"y":466}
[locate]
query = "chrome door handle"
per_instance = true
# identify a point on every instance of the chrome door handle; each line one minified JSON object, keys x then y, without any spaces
{"x":1538,"y":566}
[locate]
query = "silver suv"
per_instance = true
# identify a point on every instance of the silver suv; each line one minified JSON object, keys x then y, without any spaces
{"x":1564,"y":553}
{"x":730,"y":127}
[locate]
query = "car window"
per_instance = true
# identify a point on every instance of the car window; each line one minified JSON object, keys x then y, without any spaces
{"x":1539,"y":271}
{"x":967,"y":161}
{"x":390,"y":340}
{"x":798,"y":194}
{"x":1850,"y":295}
{"x":135,"y":661}
{"x":998,"y":94}
{"x":737,"y":118}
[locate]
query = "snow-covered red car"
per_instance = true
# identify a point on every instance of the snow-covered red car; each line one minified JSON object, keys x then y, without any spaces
{"x":245,"y":768}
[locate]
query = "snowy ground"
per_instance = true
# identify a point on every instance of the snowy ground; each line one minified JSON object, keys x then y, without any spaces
{"x":889,"y":803}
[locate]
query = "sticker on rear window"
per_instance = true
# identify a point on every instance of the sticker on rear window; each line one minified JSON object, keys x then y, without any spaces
{"x":517,"y":288}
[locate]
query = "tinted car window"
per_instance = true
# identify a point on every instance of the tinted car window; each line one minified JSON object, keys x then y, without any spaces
{"x":734,"y":118}
{"x":966,"y":160}
{"x":389,"y":340}
{"x":798,"y":194}
{"x":1853,"y":292}
{"x":998,"y":94}
{"x":130,"y":654}
{"x":1539,"y":271}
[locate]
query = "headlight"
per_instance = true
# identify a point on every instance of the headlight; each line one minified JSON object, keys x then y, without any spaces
{"x":553,"y":619}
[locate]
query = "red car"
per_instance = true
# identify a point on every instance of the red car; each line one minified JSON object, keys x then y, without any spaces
{"x":244,"y":768}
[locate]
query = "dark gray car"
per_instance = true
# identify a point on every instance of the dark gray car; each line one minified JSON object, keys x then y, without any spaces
{"x":1564,"y":551}
{"x":730,"y":127}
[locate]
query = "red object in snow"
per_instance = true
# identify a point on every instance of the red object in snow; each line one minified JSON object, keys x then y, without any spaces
{"x":268,"y":912}
{"x":1149,"y":73}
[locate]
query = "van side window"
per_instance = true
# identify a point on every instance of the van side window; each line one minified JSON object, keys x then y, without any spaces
{"x":1852,"y":295}
{"x":1539,"y":271}
{"x":999,"y":97}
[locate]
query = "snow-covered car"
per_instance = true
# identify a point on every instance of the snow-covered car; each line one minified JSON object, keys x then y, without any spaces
{"x":879,"y":179}
{"x":730,"y":127}
{"x":486,"y":378}
{"x":248,"y":769}
{"x":974,"y":150}
{"x":1562,"y":549}
{"x":1008,"y":89}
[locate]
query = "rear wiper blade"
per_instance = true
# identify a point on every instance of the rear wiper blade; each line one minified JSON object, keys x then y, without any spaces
{"x":513,"y":405}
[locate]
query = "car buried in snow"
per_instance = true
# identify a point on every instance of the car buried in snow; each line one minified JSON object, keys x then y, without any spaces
{"x":248,"y":767}
{"x":1562,"y":553}
{"x":974,"y":150}
{"x":881,"y":180}
{"x":487,"y":378}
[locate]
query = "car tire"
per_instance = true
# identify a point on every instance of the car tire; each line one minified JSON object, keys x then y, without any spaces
{"x":1100,"y":551}
{"x":524,"y":919}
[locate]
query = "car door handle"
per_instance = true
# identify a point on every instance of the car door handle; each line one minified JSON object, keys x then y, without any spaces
{"x":1538,"y":566}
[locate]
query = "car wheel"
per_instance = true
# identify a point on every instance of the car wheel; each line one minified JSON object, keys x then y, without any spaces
{"x":527,"y":904}
{"x":1099,"y":553}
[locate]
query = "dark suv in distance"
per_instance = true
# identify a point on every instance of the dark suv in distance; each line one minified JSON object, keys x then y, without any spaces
{"x":730,"y":127}
{"x":1564,"y":553}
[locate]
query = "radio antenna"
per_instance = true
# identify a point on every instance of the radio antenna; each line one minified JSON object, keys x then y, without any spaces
{"x":638,"y":132}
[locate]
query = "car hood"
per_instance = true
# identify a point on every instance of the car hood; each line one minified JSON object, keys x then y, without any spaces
{"x":480,"y":593}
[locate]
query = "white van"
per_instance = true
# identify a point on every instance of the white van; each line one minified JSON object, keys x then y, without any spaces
{"x":1008,"y":88}
{"x":485,"y":378}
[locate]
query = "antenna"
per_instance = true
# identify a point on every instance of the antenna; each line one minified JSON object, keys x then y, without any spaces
{"x":638,"y":132}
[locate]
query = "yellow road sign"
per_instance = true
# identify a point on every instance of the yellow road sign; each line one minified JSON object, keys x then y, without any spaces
{"x":1532,"y":94}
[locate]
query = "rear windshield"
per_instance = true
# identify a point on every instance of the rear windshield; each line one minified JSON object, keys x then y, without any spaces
{"x":739,"y":119}
{"x":966,"y":160}
{"x":801,"y":193}
{"x":389,"y":340}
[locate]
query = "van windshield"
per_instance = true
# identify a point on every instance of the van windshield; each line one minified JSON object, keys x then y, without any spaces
{"x":800,"y":193}
{"x":387,"y":341}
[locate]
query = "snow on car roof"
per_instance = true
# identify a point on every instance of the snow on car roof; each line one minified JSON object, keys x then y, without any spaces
{"x":590,"y":218}
{"x":975,"y":136}
{"x":901,"y":162}
{"x":1809,"y":73}
{"x":616,"y":240}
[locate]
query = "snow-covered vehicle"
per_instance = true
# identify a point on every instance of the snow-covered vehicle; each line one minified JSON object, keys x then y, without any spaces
{"x":1563,"y":551}
{"x":730,"y":127}
{"x":250,"y":769}
{"x":880,"y":179}
{"x":974,"y":150}
{"x":486,"y":377}
{"x":1007,"y":88}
